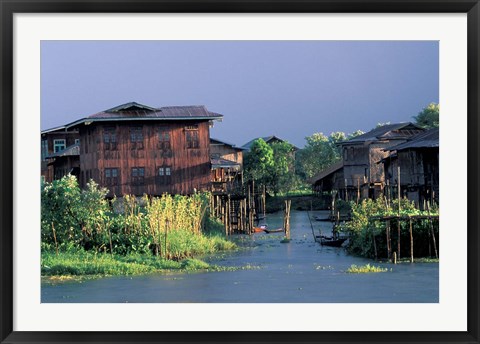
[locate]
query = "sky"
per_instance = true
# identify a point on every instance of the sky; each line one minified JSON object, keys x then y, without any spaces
{"x":290,"y":89}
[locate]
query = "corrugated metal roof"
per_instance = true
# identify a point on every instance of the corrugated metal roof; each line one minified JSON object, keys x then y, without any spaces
{"x":220,"y":142}
{"x":224,"y":163}
{"x":326,"y":172}
{"x":133,"y":111}
{"x":427,"y":139}
{"x":389,"y":131}
{"x":69,"y":151}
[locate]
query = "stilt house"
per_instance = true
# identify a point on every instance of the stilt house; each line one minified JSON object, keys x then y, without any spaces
{"x":52,"y":142}
{"x":137,"y":149}
{"x":418,"y":161}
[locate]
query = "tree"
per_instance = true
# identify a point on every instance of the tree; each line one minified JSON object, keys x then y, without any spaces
{"x":428,"y":117}
{"x":280,"y":176}
{"x":258,"y":161}
{"x":319,"y":153}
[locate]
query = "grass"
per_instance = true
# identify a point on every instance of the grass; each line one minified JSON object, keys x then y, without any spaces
{"x":364,"y":269}
{"x":80,"y":265}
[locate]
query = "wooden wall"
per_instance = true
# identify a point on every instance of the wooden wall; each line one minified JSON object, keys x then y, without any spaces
{"x":69,"y":137}
{"x":190,"y":167}
{"x":227,"y":152}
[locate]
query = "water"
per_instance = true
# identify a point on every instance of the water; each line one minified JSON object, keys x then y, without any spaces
{"x":296,"y":272}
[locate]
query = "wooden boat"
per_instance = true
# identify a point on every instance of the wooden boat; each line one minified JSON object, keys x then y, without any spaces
{"x":277,"y":230}
{"x":318,"y":218}
{"x":329,"y":241}
{"x":259,"y":229}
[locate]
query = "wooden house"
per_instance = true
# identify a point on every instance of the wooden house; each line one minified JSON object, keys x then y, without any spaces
{"x":227,"y":166}
{"x":418,"y":162}
{"x":137,"y":149}
{"x":359,"y":175}
{"x":66,"y":161}
{"x":53,"y":141}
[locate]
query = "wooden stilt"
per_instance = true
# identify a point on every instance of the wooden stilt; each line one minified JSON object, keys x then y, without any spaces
{"x":411,"y":241}
{"x":387,"y":231}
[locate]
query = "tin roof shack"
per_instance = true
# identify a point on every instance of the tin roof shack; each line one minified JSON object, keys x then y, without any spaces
{"x":418,"y":160}
{"x":53,"y":141}
{"x":136,"y":149}
{"x":227,"y":166}
{"x":65,"y":162}
{"x":361,"y":155}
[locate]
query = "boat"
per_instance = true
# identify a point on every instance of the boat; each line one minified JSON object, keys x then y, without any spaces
{"x":277,"y":230}
{"x":259,"y":229}
{"x":329,"y":241}
{"x":318,"y":218}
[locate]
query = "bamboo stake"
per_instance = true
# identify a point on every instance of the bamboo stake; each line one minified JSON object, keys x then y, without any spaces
{"x":411,"y":241}
{"x":166,"y":231}
{"x":387,"y":230}
{"x":431,"y":229}
{"x":55,"y":238}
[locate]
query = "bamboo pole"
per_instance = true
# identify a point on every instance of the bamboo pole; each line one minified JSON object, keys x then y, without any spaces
{"x":387,"y":231}
{"x":55,"y":238}
{"x":431,"y":229}
{"x":411,"y":241}
{"x":398,"y":222}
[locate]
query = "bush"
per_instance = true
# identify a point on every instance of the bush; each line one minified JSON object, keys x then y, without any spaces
{"x":362,"y":228}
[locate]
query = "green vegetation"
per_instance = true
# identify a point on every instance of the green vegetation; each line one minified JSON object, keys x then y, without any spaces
{"x":88,"y":263}
{"x":320,"y":152}
{"x":362,"y":228}
{"x":157,"y":232}
{"x":364,"y":269}
{"x":429,"y":116}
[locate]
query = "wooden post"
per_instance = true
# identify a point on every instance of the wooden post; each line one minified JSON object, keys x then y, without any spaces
{"x":411,"y":241}
{"x":264,"y":202}
{"x":358,"y":190}
{"x":55,"y":238}
{"x":374,"y":245}
{"x":286,"y":219}
{"x":346,"y":190}
{"x":387,"y":230}
{"x":399,"y":236}
{"x":165,"y":249}
{"x":394,"y":257}
{"x":431,"y":229}
{"x":399,"y":187}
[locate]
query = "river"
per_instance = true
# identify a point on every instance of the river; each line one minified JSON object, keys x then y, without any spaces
{"x":301,"y":271}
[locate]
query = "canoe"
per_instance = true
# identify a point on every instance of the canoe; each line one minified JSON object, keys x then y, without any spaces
{"x":259,"y":229}
{"x":278,"y":230}
{"x":318,"y":218}
{"x":328,"y":241}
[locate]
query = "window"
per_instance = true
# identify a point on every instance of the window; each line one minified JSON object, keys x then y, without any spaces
{"x":164,"y":139}
{"x":191,"y":133}
{"x":136,"y":137}
{"x":44,"y":149}
{"x":138,"y":175}
{"x":58,"y":145}
{"x":164,"y":175}
{"x":77,"y":141}
{"x":111,"y":176}
{"x":109,"y":138}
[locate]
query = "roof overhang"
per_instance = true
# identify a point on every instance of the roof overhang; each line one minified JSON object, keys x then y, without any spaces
{"x":88,"y":121}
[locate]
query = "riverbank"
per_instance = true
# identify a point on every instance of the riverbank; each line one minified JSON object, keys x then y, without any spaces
{"x":81,"y":265}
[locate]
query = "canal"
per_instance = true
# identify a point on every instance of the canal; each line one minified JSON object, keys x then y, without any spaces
{"x":301,"y":271}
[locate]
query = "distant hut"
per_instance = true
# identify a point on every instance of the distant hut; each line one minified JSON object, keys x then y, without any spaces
{"x":418,"y":160}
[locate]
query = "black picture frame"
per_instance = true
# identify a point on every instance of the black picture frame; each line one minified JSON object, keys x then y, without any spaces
{"x":10,"y":7}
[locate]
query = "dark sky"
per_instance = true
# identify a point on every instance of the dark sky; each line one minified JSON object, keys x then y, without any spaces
{"x":290,"y":89}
